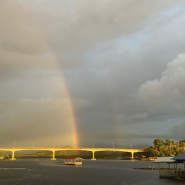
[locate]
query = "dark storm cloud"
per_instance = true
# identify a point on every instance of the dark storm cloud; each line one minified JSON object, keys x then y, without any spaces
{"x":23,"y":44}
{"x":89,"y":22}
{"x":178,"y":130}
{"x":111,"y":54}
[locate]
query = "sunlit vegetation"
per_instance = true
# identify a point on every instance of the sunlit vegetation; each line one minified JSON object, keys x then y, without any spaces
{"x":5,"y":156}
{"x":165,"y":148}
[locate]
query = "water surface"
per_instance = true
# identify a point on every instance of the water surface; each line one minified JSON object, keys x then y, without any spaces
{"x":100,"y":172}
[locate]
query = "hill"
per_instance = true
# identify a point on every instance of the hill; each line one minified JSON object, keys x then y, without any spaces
{"x":72,"y":153}
{"x":5,"y":156}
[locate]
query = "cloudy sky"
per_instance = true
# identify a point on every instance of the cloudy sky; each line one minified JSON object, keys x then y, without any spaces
{"x":120,"y":62}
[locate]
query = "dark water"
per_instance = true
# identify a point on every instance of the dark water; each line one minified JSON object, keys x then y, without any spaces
{"x":100,"y":172}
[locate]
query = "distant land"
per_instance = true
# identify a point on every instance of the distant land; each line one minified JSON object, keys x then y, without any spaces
{"x":159,"y":148}
{"x":5,"y":156}
{"x":72,"y":153}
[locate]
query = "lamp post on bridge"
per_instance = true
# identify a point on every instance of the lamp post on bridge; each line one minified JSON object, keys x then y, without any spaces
{"x":14,"y":144}
{"x":113,"y":144}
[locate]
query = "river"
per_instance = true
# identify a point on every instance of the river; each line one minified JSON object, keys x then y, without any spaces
{"x":100,"y":172}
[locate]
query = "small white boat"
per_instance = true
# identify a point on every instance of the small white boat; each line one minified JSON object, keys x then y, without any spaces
{"x":73,"y":161}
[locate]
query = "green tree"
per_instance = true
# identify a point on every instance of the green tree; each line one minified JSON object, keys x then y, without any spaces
{"x":153,"y":153}
{"x":167,"y":142}
{"x":158,"y":142}
{"x":167,"y":148}
{"x":182,"y":143}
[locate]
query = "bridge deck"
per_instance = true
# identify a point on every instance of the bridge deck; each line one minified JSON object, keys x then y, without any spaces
{"x":85,"y":149}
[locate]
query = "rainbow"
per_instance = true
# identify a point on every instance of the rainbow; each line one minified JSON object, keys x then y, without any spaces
{"x":74,"y":124}
{"x":48,"y":60}
{"x":71,"y":113}
{"x":75,"y":131}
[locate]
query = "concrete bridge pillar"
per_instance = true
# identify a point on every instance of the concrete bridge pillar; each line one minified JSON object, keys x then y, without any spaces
{"x":93,"y":156}
{"x":132,"y":155}
{"x":53,"y":155}
{"x":13,"y":156}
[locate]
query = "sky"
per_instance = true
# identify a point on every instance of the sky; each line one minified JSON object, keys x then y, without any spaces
{"x":114,"y":69}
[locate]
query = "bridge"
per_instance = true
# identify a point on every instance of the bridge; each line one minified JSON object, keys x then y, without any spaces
{"x":54,"y":149}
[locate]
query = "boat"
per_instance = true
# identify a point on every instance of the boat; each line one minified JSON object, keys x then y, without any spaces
{"x":73,"y":161}
{"x":152,"y":158}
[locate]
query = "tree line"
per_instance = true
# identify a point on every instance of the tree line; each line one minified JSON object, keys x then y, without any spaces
{"x":165,"y":148}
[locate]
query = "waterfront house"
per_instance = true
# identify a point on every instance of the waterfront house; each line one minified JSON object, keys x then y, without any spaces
{"x":180,"y":173}
{"x":164,"y":172}
{"x":180,"y":158}
{"x":174,"y":172}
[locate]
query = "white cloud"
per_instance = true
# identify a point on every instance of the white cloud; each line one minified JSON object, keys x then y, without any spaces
{"x":169,"y":90}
